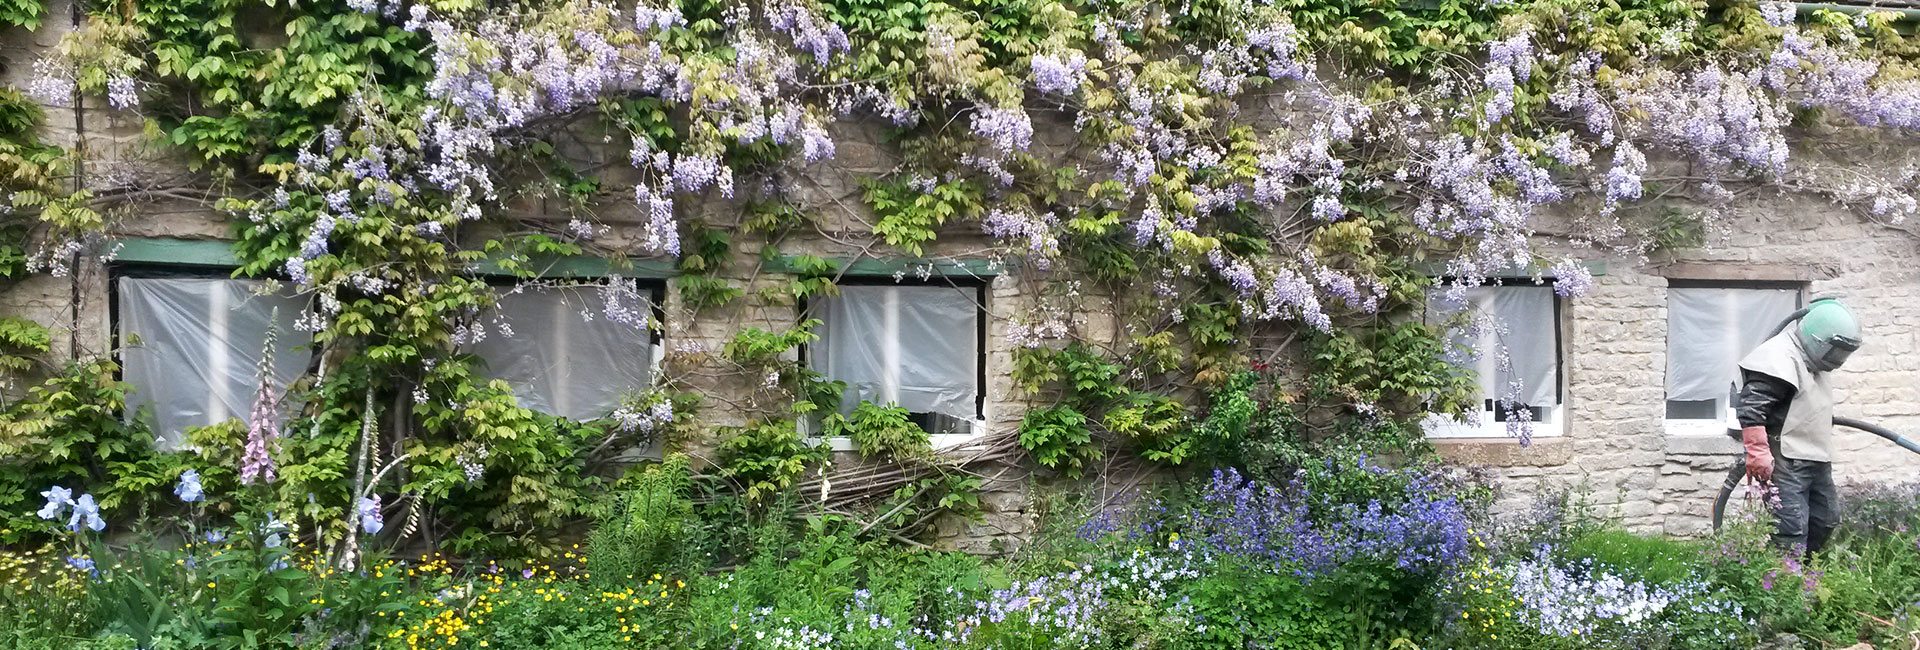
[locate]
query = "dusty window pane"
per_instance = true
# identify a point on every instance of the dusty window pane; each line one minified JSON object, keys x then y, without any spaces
{"x":560,"y":352}
{"x":191,"y":348}
{"x":1708,"y":330}
{"x":1522,"y":323}
{"x":915,"y":347}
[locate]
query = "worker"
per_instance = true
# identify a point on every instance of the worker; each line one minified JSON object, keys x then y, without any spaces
{"x":1786,"y":419}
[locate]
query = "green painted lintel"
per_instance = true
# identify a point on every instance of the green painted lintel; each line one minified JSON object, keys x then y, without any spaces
{"x":169,"y":250}
{"x":582,"y":266}
{"x":908,"y":266}
{"x":217,"y":253}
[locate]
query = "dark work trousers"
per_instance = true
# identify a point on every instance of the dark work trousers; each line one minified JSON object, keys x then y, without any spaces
{"x":1809,"y":504}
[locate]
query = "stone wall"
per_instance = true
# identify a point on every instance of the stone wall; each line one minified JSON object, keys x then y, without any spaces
{"x":1615,"y":448}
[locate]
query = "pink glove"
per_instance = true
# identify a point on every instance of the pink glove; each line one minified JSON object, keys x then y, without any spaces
{"x":1759,"y":455}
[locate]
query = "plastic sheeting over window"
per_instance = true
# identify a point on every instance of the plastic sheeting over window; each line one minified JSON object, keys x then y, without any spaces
{"x":190,"y":348}
{"x":1518,"y":319}
{"x":1709,"y":329}
{"x":563,"y":356}
{"x":914,"y":347}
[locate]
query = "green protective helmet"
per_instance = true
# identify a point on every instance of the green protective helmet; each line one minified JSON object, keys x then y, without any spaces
{"x":1828,"y":333}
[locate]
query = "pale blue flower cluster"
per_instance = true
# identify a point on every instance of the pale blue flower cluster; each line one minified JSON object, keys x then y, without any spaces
{"x":189,"y":490}
{"x":85,"y":512}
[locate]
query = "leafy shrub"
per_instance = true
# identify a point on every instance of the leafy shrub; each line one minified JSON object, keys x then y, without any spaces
{"x":646,"y":524}
{"x":1058,"y":438}
{"x":765,"y":457}
{"x":68,"y":431}
{"x":879,"y":430}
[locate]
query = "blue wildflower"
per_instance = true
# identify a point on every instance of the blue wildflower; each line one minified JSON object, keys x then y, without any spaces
{"x":86,"y":513}
{"x":83,"y":563}
{"x":58,"y":498}
{"x":274,"y":528}
{"x":189,"y":489}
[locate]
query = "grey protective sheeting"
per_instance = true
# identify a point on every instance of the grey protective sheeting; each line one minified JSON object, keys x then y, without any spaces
{"x":915,"y":347}
{"x":565,"y":357}
{"x":1523,"y":322}
{"x":199,"y":345}
{"x":1710,"y":329}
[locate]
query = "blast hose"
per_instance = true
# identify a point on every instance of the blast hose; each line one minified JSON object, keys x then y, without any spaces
{"x":1739,"y":470}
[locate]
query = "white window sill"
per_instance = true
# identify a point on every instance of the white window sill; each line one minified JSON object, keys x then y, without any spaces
{"x":1441,"y":427}
{"x":1695,"y":428}
{"x":939,"y":441}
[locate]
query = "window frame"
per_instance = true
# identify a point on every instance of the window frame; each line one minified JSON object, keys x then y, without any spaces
{"x":1705,"y":427}
{"x":1488,"y":424}
{"x":981,"y":286}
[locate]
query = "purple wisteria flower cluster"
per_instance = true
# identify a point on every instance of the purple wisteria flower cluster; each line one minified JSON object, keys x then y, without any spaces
{"x":644,"y":420}
{"x":1033,"y":231}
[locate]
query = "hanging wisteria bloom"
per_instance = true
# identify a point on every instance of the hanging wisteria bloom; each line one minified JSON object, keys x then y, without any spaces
{"x":1059,"y":73}
{"x":52,"y":82}
{"x":123,"y":93}
{"x":1034,"y":230}
{"x":189,"y":490}
{"x":644,"y":420}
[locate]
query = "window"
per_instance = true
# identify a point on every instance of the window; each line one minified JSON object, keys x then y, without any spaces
{"x":1522,"y":321}
{"x":917,"y":347}
{"x":561,"y":353}
{"x":190,"y":348}
{"x":1709,"y":328}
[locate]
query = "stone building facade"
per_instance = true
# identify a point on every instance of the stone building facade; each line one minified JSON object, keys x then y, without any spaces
{"x":1658,"y":473}
{"x":1610,"y":435}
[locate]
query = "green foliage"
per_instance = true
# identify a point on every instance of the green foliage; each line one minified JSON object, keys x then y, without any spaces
{"x":704,"y":292}
{"x":879,"y":430}
{"x":43,"y":601}
{"x":1058,"y":439}
{"x":1090,"y":379}
{"x":33,"y":172}
{"x":908,"y":217}
{"x":754,"y":346}
{"x":1033,"y":368}
{"x":262,"y":95}
{"x":774,"y":217}
{"x":67,"y":431}
{"x":1401,"y":369}
{"x":812,"y":276}
{"x":1158,"y":425}
{"x":23,"y":13}
{"x":645,"y":526}
{"x":1653,"y":559}
{"x":1232,"y":411}
{"x":20,"y":341}
{"x":764,"y":457}
{"x":1289,"y":613}
{"x":813,"y":393}
{"x":709,"y":254}
{"x":1677,"y":229}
